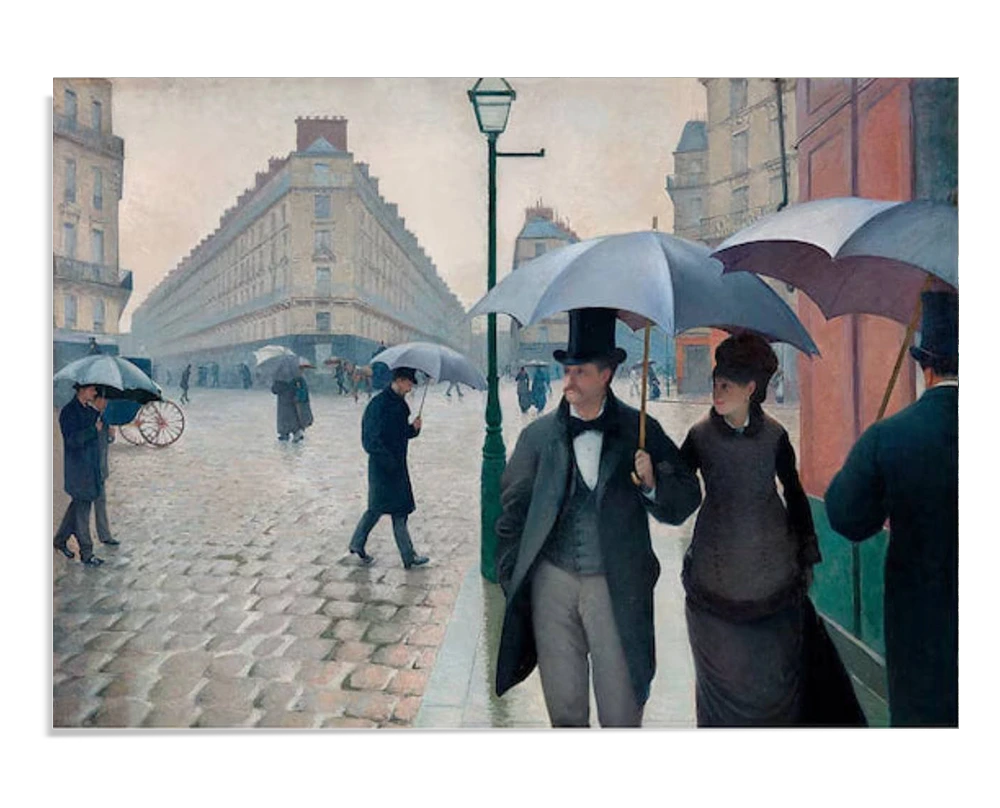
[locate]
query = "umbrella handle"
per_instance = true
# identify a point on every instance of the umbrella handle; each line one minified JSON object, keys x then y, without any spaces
{"x":902,"y":349}
{"x":642,"y":409}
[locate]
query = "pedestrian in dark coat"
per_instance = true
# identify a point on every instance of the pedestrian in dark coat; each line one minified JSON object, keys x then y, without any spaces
{"x":574,"y":556}
{"x":385,"y":434}
{"x":104,"y":439}
{"x":302,"y":406}
{"x":284,"y":386}
{"x":523,"y":390}
{"x":81,"y":427}
{"x":906,"y":468}
{"x":185,"y":381}
{"x":540,"y":388}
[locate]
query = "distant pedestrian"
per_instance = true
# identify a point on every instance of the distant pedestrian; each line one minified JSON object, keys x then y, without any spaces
{"x":523,"y":390}
{"x":540,"y":388}
{"x":286,"y":387}
{"x":215,"y":374}
{"x":385,"y":434}
{"x":338,"y":374}
{"x":185,"y":381}
{"x":93,"y":347}
{"x":246,"y":376}
{"x":82,"y":430}
{"x":302,"y":407}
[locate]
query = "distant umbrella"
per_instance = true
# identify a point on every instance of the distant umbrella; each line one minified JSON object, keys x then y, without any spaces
{"x":262,"y":355}
{"x":121,"y":378}
{"x":438,"y":361}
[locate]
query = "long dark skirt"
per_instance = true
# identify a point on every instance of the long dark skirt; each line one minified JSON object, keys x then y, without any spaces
{"x":748,"y":674}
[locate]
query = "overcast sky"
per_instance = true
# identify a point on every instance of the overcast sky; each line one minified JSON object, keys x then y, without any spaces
{"x":193,"y":145}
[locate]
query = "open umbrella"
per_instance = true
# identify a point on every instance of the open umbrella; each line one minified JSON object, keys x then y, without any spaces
{"x":534,"y":363}
{"x":121,"y":378}
{"x":649,"y":277}
{"x":283,"y":367}
{"x":855,"y":256}
{"x":262,"y":355}
{"x":438,"y":361}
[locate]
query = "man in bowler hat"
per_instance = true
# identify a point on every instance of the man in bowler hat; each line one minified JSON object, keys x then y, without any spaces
{"x":385,"y":432}
{"x":906,"y":468}
{"x":574,"y":556}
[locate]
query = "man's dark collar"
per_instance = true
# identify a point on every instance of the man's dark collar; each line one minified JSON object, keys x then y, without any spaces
{"x":610,"y":412}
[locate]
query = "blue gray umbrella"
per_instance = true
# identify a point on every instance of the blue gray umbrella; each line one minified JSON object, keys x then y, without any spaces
{"x":650,"y":277}
{"x":121,"y":378}
{"x":439,"y":362}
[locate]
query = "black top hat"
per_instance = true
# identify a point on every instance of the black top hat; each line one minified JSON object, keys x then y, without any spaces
{"x":405,"y":373}
{"x":591,"y":336}
{"x":938,"y":327}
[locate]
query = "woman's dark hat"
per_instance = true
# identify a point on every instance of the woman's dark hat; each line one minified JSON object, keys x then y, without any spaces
{"x":405,"y":373}
{"x":591,"y":337}
{"x":938,"y":327}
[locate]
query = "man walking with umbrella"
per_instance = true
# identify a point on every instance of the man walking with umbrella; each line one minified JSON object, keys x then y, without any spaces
{"x":574,"y":555}
{"x":906,"y":468}
{"x":82,"y":428}
{"x":385,"y":434}
{"x":185,"y":381}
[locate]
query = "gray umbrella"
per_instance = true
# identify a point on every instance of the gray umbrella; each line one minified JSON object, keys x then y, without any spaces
{"x":649,"y":277}
{"x":852,"y":255}
{"x":122,"y":378}
{"x":438,"y":361}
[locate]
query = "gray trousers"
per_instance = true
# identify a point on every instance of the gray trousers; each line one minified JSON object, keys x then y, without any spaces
{"x":399,"y":531}
{"x":76,"y":522}
{"x":575,"y":628}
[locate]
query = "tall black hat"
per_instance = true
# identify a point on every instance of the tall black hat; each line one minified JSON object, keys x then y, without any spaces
{"x":591,"y":337}
{"x":938,"y":328}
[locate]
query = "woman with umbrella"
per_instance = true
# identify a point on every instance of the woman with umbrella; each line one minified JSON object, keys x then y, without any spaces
{"x":523,"y":389}
{"x":294,"y":413}
{"x":540,"y":388}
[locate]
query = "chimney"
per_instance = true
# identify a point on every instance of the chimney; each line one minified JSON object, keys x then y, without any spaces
{"x":309,"y":130}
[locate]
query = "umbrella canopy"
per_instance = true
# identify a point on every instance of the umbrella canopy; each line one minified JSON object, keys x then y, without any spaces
{"x":649,"y":277}
{"x":262,"y":355}
{"x":437,"y":361}
{"x":122,"y":378}
{"x":535,"y":363}
{"x":283,"y":367}
{"x":852,"y":255}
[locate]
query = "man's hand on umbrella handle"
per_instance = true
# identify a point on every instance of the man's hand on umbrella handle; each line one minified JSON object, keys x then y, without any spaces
{"x":418,"y":423}
{"x":99,"y":423}
{"x":644,"y":469}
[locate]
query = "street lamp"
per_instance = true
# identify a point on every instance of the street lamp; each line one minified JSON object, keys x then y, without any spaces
{"x":491,"y":99}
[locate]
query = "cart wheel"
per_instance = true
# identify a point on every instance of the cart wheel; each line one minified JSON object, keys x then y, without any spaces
{"x":131,"y":432}
{"x":160,"y":422}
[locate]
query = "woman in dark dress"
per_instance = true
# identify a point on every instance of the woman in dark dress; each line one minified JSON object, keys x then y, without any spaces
{"x":749,"y":566}
{"x":523,"y":390}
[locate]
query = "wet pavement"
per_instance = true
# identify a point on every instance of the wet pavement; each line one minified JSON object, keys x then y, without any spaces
{"x":231,"y":601}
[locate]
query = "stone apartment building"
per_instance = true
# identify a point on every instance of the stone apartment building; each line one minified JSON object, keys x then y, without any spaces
{"x":312,"y":257}
{"x":90,"y":289}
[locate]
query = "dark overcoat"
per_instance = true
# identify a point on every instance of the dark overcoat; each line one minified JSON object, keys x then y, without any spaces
{"x":906,"y":468}
{"x":288,"y":412}
{"x":533,"y":488}
{"x":385,"y":434}
{"x":81,"y":450}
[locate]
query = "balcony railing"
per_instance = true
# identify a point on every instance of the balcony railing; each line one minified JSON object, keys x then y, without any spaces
{"x":720,"y":227}
{"x":111,"y":145}
{"x":675,"y":182}
{"x":73,"y":270}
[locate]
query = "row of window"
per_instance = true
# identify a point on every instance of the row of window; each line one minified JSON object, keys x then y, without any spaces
{"x":97,"y":308}
{"x":96,"y":243}
{"x":69,"y":186}
{"x":71,"y":110}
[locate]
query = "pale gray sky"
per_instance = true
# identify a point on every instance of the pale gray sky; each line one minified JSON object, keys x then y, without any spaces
{"x":193,"y":145}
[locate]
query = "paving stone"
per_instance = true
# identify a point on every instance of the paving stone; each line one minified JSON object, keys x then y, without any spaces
{"x":230,"y":665}
{"x":305,"y":586}
{"x":87,"y":662}
{"x":272,"y":646}
{"x":175,"y":714}
{"x":175,"y":688}
{"x":81,"y":686}
{"x":309,"y":625}
{"x":406,"y":709}
{"x":289,"y":720}
{"x":379,"y":612}
{"x":133,"y":621}
{"x":277,"y":695}
{"x":371,"y":677}
{"x":409,"y":682}
{"x":431,"y":634}
{"x":275,"y":669}
{"x":191,"y":622}
{"x":426,"y":659}
{"x":273,"y":605}
{"x":442,"y":614}
{"x":324,"y":701}
{"x":268,"y":587}
{"x":396,"y":656}
{"x":129,"y":685}
{"x":203,"y":603}
{"x":229,"y":692}
{"x":210,"y":584}
{"x":413,"y":614}
{"x":118,"y":712}
{"x":339,"y":590}
{"x":148,"y":642}
{"x":309,"y":648}
{"x":324,"y":674}
{"x":387,"y":633}
{"x":407,"y":595}
{"x":176,"y":582}
{"x":343,"y":722}
{"x":137,"y":662}
{"x":227,"y":622}
{"x":237,"y":603}
{"x":305,"y":605}
{"x":349,"y":629}
{"x":186,"y":663}
{"x":354,"y":651}
{"x":267,"y":624}
{"x":225,"y":643}
{"x":344,"y":609}
{"x":113,"y":605}
{"x":441,"y":596}
{"x":241,"y":585}
{"x":226,"y":717}
{"x":109,"y":641}
{"x":376,"y":707}
{"x":100,"y":622}
{"x":73,"y":711}
{"x":188,"y":642}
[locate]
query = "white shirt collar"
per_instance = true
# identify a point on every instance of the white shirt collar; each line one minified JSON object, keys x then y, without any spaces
{"x":575,"y":413}
{"x":945,"y":383}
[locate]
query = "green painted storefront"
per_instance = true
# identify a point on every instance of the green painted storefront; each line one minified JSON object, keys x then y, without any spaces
{"x":848,"y":589}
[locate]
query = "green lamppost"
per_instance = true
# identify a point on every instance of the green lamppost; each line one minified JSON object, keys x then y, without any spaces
{"x":491,"y":99}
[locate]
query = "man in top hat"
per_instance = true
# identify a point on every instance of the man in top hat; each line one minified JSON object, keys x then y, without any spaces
{"x":574,"y":556}
{"x":385,"y":433}
{"x":906,"y":468}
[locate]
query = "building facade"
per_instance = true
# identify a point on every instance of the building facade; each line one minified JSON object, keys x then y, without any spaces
{"x":90,"y":289}
{"x":730,"y":170}
{"x":310,"y":257}
{"x":894,"y":139}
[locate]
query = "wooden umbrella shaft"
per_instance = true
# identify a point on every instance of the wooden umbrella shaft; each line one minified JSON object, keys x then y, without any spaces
{"x":902,"y":351}
{"x":645,"y":375}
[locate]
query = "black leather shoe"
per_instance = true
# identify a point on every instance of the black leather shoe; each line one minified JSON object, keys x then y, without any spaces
{"x":366,"y":558}
{"x":111,"y":542}
{"x":416,"y":561}
{"x":93,"y":561}
{"x":62,"y":548}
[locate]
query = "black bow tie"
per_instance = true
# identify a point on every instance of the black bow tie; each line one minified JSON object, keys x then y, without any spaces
{"x":577,"y":426}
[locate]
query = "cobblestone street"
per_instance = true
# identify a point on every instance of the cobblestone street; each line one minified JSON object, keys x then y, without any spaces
{"x":231,"y":601}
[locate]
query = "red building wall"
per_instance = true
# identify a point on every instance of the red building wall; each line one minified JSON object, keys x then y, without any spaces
{"x":856,"y":141}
